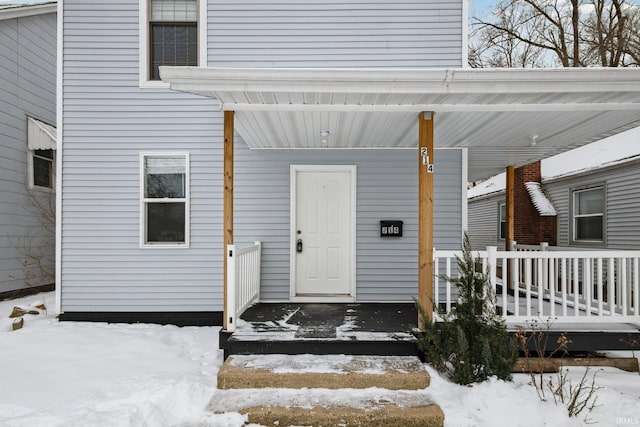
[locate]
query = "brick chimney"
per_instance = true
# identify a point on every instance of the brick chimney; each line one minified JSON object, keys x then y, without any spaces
{"x":529,"y":227}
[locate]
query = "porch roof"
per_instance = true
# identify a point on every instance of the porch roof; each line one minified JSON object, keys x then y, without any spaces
{"x":503,"y":116}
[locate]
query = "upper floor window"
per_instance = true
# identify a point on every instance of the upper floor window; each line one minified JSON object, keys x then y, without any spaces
{"x":173,"y":34}
{"x":502,"y":221}
{"x":588,"y":214}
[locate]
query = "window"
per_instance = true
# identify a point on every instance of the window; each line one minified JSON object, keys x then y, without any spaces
{"x":41,"y":144}
{"x":502,"y":221}
{"x":173,"y":34}
{"x":588,"y":214}
{"x":164,"y":199}
{"x":41,"y":169}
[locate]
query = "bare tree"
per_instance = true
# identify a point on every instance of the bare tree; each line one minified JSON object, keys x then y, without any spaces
{"x":567,"y":33}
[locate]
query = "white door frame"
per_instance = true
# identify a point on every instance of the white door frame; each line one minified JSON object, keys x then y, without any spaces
{"x":352,"y":169}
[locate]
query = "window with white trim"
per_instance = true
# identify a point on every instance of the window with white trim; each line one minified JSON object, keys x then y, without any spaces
{"x":588,"y":214}
{"x":164,"y":199}
{"x":41,"y":169}
{"x":172,"y":34}
{"x":502,"y":221}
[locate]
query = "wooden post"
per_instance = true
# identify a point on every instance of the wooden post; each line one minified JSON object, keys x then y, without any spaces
{"x":227,"y":220}
{"x":510,"y":225}
{"x":510,"y":234}
{"x":425,"y":215}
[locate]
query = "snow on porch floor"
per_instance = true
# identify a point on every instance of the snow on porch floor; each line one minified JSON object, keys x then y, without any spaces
{"x":348,"y":322}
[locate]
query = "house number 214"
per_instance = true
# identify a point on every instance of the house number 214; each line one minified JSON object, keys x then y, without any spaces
{"x":425,"y":159}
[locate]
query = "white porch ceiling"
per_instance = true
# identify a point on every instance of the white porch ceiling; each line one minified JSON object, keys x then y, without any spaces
{"x":492,"y":112}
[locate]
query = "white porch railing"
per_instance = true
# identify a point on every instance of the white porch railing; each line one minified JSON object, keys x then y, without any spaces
{"x":567,"y":286}
{"x":243,"y":281}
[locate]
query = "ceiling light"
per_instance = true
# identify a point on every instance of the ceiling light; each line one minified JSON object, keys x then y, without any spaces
{"x":324,"y":137}
{"x":534,"y":140}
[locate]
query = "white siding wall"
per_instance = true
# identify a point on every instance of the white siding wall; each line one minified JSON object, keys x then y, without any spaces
{"x":108,"y":120}
{"x":27,"y":87}
{"x":622,"y":201}
{"x":483,"y":222}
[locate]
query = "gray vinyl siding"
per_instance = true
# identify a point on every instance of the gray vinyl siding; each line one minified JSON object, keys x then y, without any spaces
{"x":109,"y":120}
{"x":386,"y":269}
{"x":335,"y":33}
{"x":483,"y":222}
{"x":622,"y":201}
{"x":27,"y":87}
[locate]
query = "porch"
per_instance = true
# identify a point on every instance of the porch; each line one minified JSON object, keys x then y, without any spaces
{"x":591,"y":296}
{"x":492,"y":115}
{"x":379,"y":329}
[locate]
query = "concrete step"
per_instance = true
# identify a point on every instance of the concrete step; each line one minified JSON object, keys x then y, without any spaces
{"x":328,"y":371}
{"x":385,"y":416}
{"x":324,"y":407}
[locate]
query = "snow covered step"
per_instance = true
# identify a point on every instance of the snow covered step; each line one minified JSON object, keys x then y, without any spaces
{"x":323,"y":371}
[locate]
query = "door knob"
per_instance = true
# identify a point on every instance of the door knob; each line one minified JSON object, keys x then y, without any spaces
{"x":299,"y":246}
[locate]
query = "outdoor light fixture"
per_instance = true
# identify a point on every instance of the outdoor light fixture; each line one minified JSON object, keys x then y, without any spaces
{"x":324,"y":137}
{"x":534,"y":140}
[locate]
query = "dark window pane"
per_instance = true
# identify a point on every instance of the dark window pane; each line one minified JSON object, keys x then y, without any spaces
{"x":166,"y":222}
{"x":589,"y":228}
{"x":503,"y":229}
{"x":173,"y":45}
{"x":162,"y":185}
{"x":44,"y":153}
{"x":42,"y":172}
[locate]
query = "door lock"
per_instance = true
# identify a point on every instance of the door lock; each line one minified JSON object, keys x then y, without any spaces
{"x":299,"y":246}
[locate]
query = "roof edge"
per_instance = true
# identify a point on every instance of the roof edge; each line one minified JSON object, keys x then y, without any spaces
{"x":431,"y":80}
{"x":24,"y":10}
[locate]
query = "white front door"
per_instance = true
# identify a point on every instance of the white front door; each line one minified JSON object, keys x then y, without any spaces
{"x":323,"y":231}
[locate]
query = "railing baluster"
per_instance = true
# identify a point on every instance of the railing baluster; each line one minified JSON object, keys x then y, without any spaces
{"x":540,"y":284}
{"x":599,"y":287}
{"x":611,"y":295}
{"x":623,"y":285}
{"x":505,"y":286}
{"x":586,"y":273}
{"x":576,"y":287}
{"x":563,"y":285}
{"x":515,"y":280}
{"x":636,"y":287}
{"x":528,"y":284}
{"x":552,"y":286}
{"x":448,"y":287}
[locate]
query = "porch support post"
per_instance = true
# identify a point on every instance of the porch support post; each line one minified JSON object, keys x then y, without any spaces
{"x":510,"y":233}
{"x":425,"y":216}
{"x":509,"y":225}
{"x":227,"y":219}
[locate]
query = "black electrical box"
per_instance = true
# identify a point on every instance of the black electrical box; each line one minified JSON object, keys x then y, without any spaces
{"x":390,"y":228}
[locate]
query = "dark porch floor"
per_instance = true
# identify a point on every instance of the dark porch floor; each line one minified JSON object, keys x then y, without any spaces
{"x":357,"y":329}
{"x":378,"y":329}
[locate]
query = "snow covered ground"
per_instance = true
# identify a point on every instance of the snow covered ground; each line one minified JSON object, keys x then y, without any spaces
{"x":97,"y":374}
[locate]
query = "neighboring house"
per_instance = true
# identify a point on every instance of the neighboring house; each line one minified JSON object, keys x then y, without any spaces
{"x":27,"y":147}
{"x":190,"y":125}
{"x":593,"y":191}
